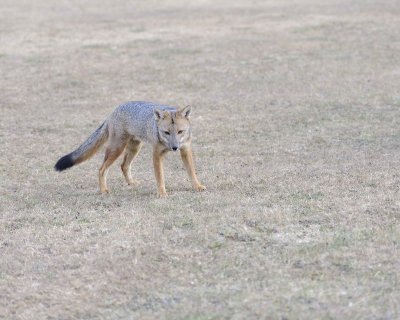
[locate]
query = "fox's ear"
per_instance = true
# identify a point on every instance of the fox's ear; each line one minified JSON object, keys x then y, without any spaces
{"x":185,"y":112}
{"x":159,"y":114}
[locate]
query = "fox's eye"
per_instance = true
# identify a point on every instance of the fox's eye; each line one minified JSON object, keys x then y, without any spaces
{"x":180,"y":131}
{"x":166,"y":132}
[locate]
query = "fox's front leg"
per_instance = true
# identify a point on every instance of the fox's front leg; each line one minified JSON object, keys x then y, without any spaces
{"x":158,"y":155}
{"x":187,"y":158}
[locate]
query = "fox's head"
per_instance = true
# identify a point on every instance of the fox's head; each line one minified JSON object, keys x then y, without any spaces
{"x":173,"y":127}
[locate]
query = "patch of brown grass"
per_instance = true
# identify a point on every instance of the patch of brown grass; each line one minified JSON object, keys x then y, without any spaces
{"x":296,"y":124}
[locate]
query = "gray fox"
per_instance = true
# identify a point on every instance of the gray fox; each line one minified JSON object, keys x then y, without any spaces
{"x":166,"y":128}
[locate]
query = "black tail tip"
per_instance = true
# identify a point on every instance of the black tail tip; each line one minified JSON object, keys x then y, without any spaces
{"x":64,"y":163}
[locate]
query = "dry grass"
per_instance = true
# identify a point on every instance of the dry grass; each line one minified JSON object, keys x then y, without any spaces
{"x":297,"y":137}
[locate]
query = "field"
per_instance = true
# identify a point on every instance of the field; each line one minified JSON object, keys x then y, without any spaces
{"x":296,"y":123}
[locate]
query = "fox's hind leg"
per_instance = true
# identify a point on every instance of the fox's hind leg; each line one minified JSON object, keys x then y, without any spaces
{"x":113,"y":151}
{"x":132,"y":149}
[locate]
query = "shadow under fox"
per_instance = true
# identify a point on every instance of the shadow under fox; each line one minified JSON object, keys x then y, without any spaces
{"x":166,"y":128}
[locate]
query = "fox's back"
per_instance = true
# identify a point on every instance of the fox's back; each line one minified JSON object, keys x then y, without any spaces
{"x":137,"y":118}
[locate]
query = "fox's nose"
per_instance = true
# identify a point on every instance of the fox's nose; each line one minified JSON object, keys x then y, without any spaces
{"x":174,"y":148}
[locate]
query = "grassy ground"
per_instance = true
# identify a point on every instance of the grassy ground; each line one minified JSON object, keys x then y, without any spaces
{"x":297,"y":137}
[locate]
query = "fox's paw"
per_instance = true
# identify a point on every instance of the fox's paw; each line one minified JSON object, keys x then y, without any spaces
{"x":105,"y":191}
{"x":200,"y":187}
{"x":162,"y":194}
{"x":133,"y":182}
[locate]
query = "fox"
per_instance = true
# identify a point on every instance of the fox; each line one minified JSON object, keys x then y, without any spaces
{"x":166,"y":128}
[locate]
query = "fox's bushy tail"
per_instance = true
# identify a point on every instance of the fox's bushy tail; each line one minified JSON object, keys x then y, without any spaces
{"x":85,"y":150}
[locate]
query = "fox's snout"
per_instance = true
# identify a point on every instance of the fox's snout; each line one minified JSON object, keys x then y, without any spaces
{"x":174,"y":146}
{"x":173,"y":142}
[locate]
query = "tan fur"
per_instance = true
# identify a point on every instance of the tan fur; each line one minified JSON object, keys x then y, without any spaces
{"x":166,"y":128}
{"x":112,"y":153}
{"x":175,"y":122}
{"x":187,"y":158}
{"x":132,"y":149}
{"x":158,"y":157}
{"x":93,"y":149}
